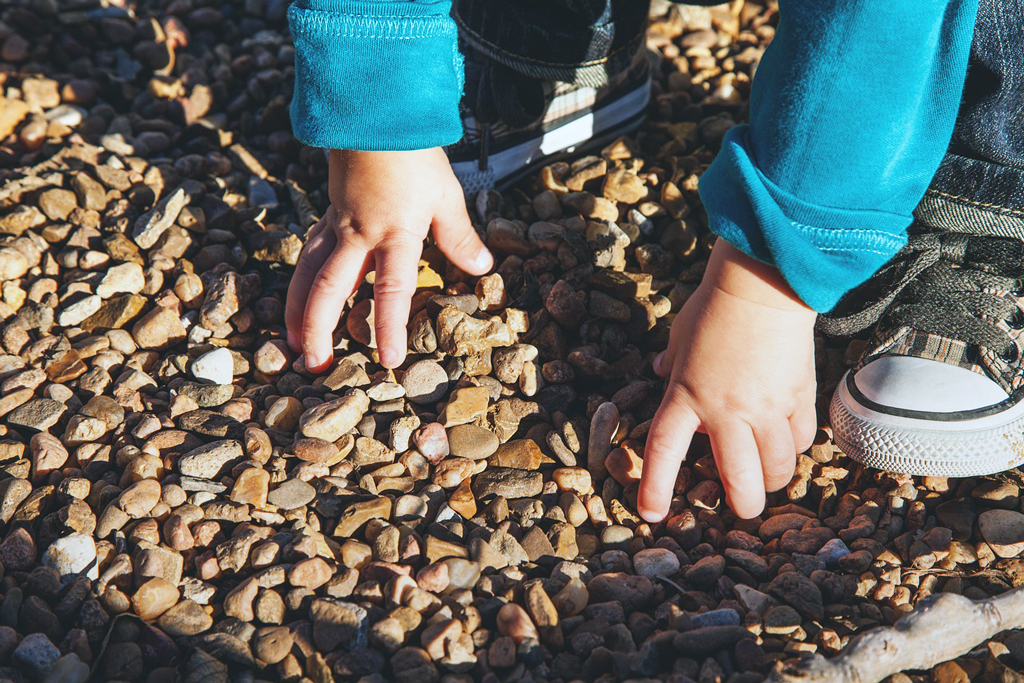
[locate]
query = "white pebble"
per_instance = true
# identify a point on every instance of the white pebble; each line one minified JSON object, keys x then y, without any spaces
{"x":68,"y":114}
{"x":215,"y":366}
{"x":72,"y":555}
{"x":79,"y":311}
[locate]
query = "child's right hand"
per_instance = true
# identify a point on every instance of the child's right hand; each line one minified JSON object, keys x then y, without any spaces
{"x":740,"y":367}
{"x":382,"y":204}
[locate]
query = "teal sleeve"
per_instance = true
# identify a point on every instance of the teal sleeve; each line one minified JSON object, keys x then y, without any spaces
{"x":375,"y":74}
{"x":851,"y":111}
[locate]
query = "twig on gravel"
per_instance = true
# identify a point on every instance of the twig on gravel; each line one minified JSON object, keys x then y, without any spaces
{"x":249,"y":160}
{"x":672,"y":583}
{"x":941,"y":628}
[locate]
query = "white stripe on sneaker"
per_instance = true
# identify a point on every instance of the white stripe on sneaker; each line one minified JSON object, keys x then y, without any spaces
{"x":507,"y":163}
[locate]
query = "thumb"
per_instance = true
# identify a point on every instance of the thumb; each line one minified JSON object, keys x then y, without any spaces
{"x":456,"y":237}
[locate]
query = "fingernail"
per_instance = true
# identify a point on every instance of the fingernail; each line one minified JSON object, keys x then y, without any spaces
{"x":388,"y":357}
{"x":313,"y":361}
{"x":651,"y":516}
{"x":484,"y":260}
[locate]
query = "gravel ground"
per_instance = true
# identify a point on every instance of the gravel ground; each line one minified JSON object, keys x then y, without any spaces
{"x":181,"y":500}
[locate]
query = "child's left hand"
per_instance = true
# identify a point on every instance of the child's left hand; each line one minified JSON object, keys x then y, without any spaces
{"x":382,"y":205}
{"x":740,"y":367}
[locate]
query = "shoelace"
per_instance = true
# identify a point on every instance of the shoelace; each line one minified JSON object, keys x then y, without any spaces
{"x":949,"y":284}
{"x":501,"y":96}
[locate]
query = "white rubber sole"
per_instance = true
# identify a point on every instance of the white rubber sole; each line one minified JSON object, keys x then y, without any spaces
{"x":505,"y":167}
{"x":961,"y":448}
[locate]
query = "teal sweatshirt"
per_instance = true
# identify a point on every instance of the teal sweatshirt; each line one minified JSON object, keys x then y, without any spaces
{"x":851,"y":111}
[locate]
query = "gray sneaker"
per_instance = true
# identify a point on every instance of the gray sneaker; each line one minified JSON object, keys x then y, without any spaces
{"x":569,"y":118}
{"x":940,"y":388}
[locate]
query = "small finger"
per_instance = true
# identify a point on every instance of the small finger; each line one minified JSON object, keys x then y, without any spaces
{"x":778,"y":455}
{"x":333,"y":285}
{"x":739,"y":466}
{"x":667,"y":442}
{"x":318,"y":247}
{"x":804,"y":426}
{"x":393,"y":287}
{"x":456,"y":237}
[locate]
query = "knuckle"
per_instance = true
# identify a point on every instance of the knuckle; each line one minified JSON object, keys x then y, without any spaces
{"x":801,"y":441}
{"x":318,"y":322}
{"x":655,"y":448}
{"x":325,"y":286}
{"x":467,"y":241}
{"x":769,"y":426}
{"x":389,"y":322}
{"x":678,"y":394}
{"x":779,"y":463}
{"x":403,"y":234}
{"x":392,"y":286}
{"x":775,"y":481}
{"x":295,"y":301}
{"x":306,"y":266}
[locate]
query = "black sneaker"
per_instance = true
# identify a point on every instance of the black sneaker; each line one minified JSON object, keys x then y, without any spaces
{"x":939,"y":389}
{"x":530,"y":123}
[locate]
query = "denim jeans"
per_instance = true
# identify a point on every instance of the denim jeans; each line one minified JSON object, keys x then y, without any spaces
{"x":979,"y":187}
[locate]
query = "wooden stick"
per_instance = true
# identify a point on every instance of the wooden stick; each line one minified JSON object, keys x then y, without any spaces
{"x":942,"y":627}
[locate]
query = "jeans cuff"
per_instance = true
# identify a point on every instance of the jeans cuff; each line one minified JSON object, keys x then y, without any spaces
{"x":974,"y":196}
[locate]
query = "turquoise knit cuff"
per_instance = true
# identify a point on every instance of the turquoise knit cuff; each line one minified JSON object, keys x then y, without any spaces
{"x":822,"y":252}
{"x":377,"y":80}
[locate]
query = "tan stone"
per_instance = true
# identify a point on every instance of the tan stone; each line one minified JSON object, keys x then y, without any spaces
{"x":141,"y":497}
{"x":333,"y":419}
{"x":464,"y":406}
{"x":358,"y":514}
{"x":251,"y":487}
{"x":158,"y":329}
{"x":463,"y":501}
{"x":522,"y":454}
{"x":572,"y":599}
{"x":311,"y":573}
{"x":624,"y":465}
{"x":11,"y":114}
{"x":574,"y":479}
{"x":513,"y":621}
{"x":154,"y":597}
